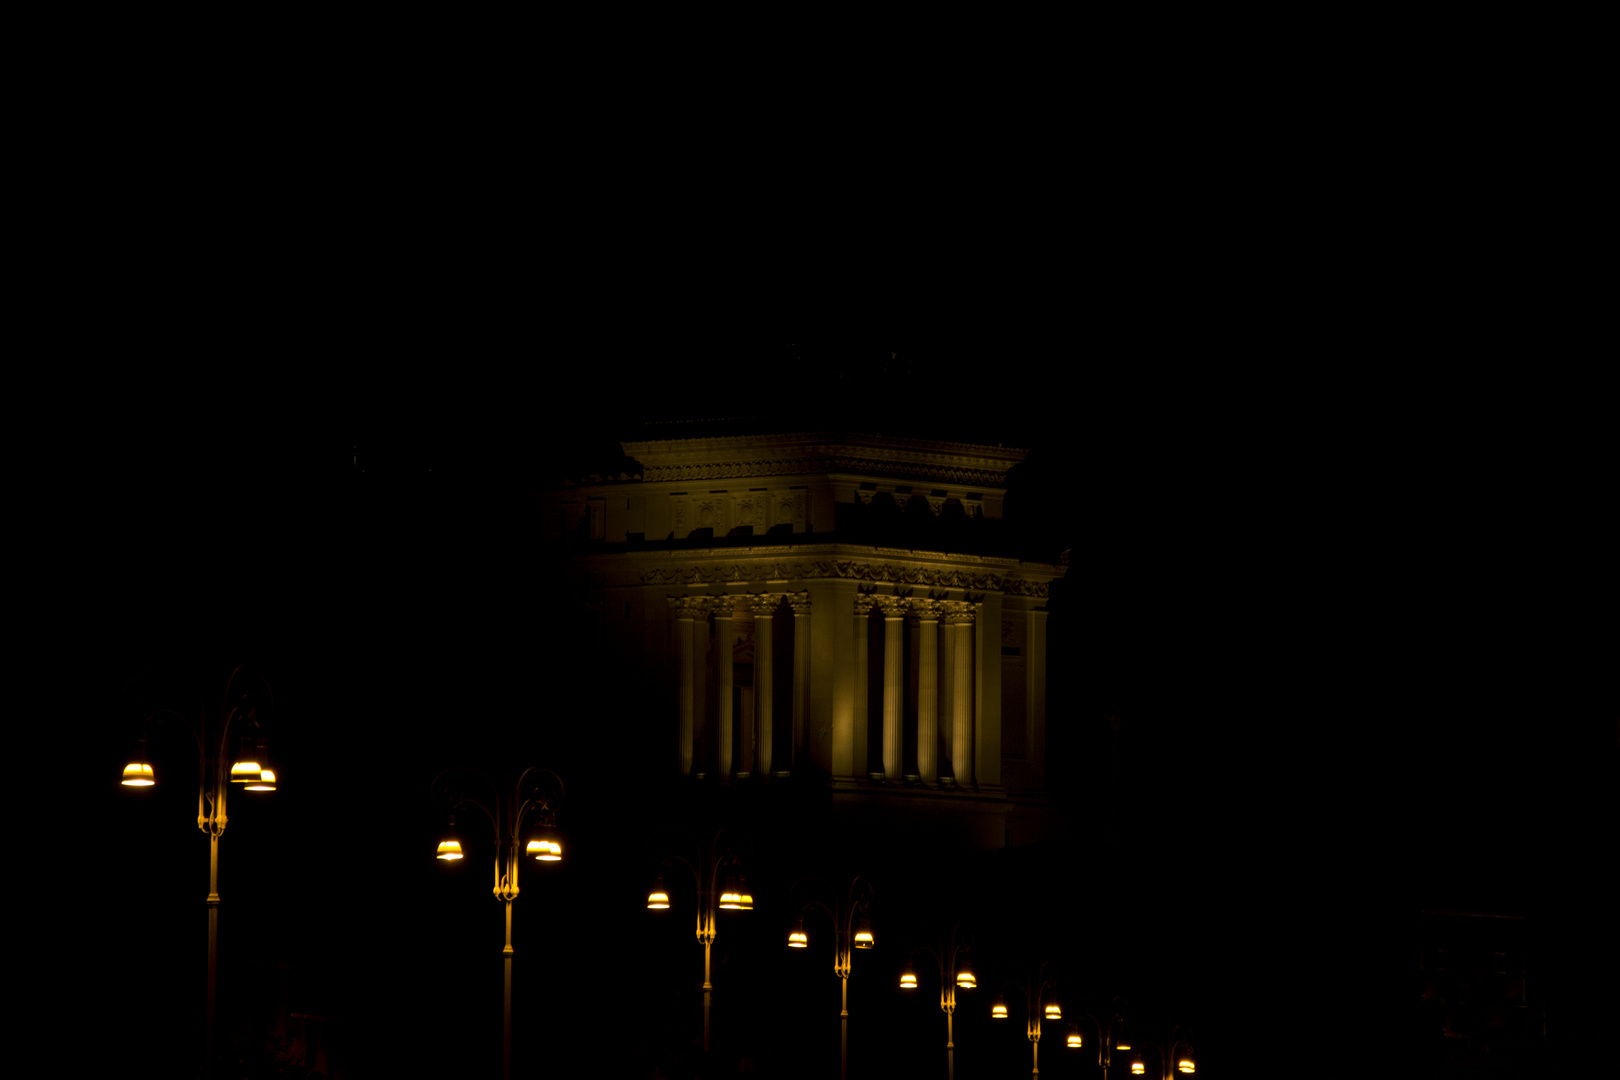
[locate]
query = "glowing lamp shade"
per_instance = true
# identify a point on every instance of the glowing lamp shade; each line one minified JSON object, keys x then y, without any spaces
{"x":745,"y":896}
{"x":1053,"y":1012}
{"x":863,"y":934}
{"x":1122,"y":1045}
{"x":545,"y":845}
{"x":658,"y":898}
{"x":1074,"y":1040}
{"x":998,"y":1011}
{"x":908,"y":979}
{"x":1185,"y":1065}
{"x":265,"y":782}
{"x":138,"y":774}
{"x":965,"y":979}
{"x":1137,"y":1068}
{"x":797,"y":938}
{"x":449,"y":849}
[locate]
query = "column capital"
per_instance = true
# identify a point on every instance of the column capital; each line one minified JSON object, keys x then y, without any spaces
{"x":764,"y":603}
{"x":893,"y":607}
{"x":958,"y":612}
{"x":735,"y":605}
{"x":689,"y":607}
{"x":799,"y":602}
{"x":864,"y":603}
{"x":927,"y":610}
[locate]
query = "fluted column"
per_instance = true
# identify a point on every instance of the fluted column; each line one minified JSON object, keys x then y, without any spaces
{"x":685,"y":616}
{"x":723,"y":678}
{"x":894,"y":675}
{"x":764,"y":633}
{"x":928,"y":613}
{"x":960,"y":615}
{"x":702,"y":715}
{"x":863,"y":613}
{"x":800,"y":603}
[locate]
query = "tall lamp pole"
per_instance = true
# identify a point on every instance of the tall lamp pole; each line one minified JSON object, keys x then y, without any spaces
{"x":1108,"y":1039}
{"x":954,"y":971}
{"x":711,"y":898}
{"x":249,"y":769}
{"x":1040,"y":996}
{"x":848,"y":934}
{"x":531,"y":793}
{"x":1179,"y":1050}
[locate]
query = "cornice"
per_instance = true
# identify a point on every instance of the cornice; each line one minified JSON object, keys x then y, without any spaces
{"x":730,"y":457}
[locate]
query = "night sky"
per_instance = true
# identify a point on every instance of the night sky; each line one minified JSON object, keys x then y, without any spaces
{"x":1349,"y":624}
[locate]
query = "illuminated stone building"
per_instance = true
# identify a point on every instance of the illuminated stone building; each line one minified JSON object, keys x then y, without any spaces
{"x":825,"y":604}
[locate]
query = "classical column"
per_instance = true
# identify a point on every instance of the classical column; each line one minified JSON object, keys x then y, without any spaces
{"x":723,"y":679}
{"x":685,"y":614}
{"x":927,"y":612}
{"x":764,"y":633}
{"x":864,"y":603}
{"x":960,"y":615}
{"x":894,"y":674}
{"x":702,"y":716}
{"x":800,"y":603}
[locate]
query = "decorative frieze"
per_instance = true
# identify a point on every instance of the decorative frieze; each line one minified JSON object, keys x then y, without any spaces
{"x":848,"y":569}
{"x":937,"y":472}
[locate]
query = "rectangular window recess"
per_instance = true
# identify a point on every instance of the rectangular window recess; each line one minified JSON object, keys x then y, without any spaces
{"x":758,"y":489}
{"x":674,"y":493}
{"x":722,"y":491}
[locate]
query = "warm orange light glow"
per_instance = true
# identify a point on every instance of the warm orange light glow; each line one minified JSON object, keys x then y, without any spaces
{"x":863,"y":934}
{"x":1185,"y":1065}
{"x":265,"y":782}
{"x":449,"y":849}
{"x":908,"y":980}
{"x":730,"y":901}
{"x":1137,"y":1069}
{"x":1122,"y":1046}
{"x":797,"y":938}
{"x":138,"y":774}
{"x":1053,"y":1012}
{"x":545,"y":850}
{"x":998,"y":1011}
{"x":1074,"y":1040}
{"x":658,"y":900}
{"x":965,"y":980}
{"x":244,"y":771}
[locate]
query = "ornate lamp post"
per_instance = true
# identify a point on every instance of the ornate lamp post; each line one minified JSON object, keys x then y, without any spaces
{"x":1109,"y":1037}
{"x":1040,"y":996}
{"x":534,"y":793}
{"x":954,"y":971}
{"x":712,"y":897}
{"x":249,"y":770}
{"x":849,"y":933}
{"x":1178,"y":1051}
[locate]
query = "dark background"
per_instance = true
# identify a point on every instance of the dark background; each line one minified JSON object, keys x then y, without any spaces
{"x":1348,"y":630}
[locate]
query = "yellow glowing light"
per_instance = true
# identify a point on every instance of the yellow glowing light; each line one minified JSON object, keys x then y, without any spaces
{"x":745,"y":901}
{"x":449,"y":849}
{"x":730,"y":901}
{"x":998,"y":1011}
{"x":965,"y":980}
{"x":265,"y":782}
{"x":908,"y":981}
{"x":1185,"y":1065}
{"x":244,"y":771}
{"x":1053,"y":1012}
{"x":1122,"y":1046}
{"x":1074,"y":1041}
{"x":658,"y":899}
{"x":138,"y":775}
{"x":545,"y":850}
{"x":1137,"y":1069}
{"x":798,"y":939}
{"x":864,"y":939}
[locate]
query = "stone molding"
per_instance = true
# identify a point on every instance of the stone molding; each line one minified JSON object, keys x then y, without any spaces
{"x":849,"y":569}
{"x":725,"y":457}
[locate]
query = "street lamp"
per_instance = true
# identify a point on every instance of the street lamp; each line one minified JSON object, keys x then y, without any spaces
{"x":1108,"y":1039}
{"x":1178,"y":1052}
{"x":852,"y":929}
{"x":712,"y":897}
{"x":249,"y":768}
{"x":954,"y":971}
{"x":541,"y":843}
{"x":1041,"y":1002}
